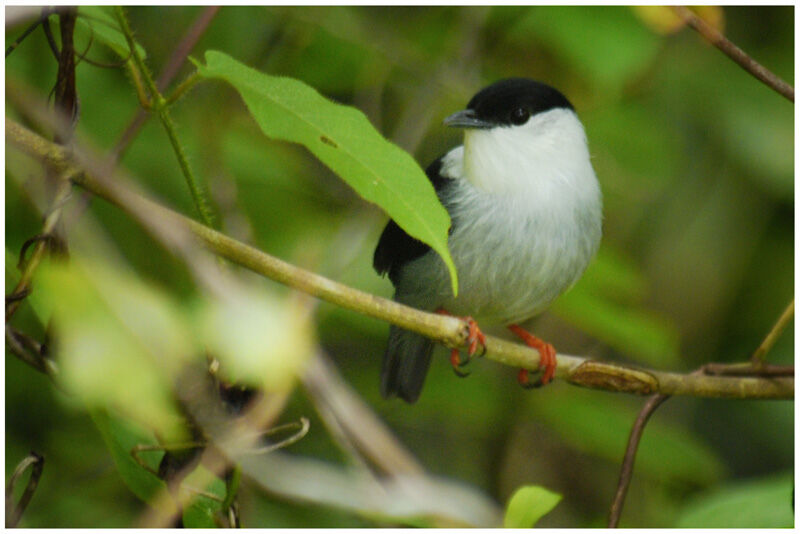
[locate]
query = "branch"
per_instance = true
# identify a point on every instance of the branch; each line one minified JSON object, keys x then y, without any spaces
{"x":713,"y":36}
{"x":450,"y":331}
{"x":14,"y":511}
{"x":626,"y":472}
{"x":773,"y":335}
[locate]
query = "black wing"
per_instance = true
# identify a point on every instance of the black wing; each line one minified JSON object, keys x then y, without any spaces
{"x":395,"y":247}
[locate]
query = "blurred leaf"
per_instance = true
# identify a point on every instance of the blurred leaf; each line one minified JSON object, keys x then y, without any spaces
{"x":638,"y":167}
{"x":120,"y":437}
{"x":663,"y":20}
{"x":344,"y":140}
{"x":764,"y":503}
{"x":201,"y":511}
{"x":99,"y":23}
{"x":759,"y":134}
{"x":613,"y":274}
{"x":331,"y":64}
{"x":528,"y":505}
{"x":606,"y":44}
{"x":258,"y":338}
{"x":597,"y":423}
{"x":118,"y":340}
{"x":722,"y":106}
{"x":593,"y":306}
{"x":660,"y":19}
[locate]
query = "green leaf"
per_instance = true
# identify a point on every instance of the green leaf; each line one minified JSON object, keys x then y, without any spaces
{"x":100,"y":24}
{"x":120,"y":437}
{"x":342,"y":138}
{"x":202,"y":509}
{"x":120,"y":341}
{"x":764,"y":503}
{"x":527,"y":506}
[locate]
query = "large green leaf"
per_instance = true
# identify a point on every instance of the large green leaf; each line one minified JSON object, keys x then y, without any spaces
{"x":527,"y":506}
{"x":765,"y":503}
{"x":343,"y":139}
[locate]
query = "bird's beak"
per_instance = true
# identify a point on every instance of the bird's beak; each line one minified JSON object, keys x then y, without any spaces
{"x":466,"y":119}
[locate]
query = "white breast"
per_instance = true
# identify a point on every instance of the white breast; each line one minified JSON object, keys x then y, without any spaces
{"x":527,"y":214}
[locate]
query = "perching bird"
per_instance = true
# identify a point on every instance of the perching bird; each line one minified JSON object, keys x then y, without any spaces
{"x":526,"y":218}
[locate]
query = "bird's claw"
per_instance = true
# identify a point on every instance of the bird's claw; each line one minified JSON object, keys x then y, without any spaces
{"x":475,"y":337}
{"x":547,"y":359}
{"x":457,"y":363}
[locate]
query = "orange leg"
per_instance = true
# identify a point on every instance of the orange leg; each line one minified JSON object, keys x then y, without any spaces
{"x":475,"y":337}
{"x":547,"y":357}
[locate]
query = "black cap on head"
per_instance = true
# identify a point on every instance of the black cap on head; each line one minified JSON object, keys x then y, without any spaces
{"x":507,"y":103}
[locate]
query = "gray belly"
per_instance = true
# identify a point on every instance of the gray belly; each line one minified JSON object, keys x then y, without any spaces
{"x":512,"y":259}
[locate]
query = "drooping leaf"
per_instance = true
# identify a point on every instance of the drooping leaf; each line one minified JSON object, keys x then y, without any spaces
{"x":764,"y":503}
{"x":527,"y":506}
{"x":343,"y":139}
{"x":120,"y":437}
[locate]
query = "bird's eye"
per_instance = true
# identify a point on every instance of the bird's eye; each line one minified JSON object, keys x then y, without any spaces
{"x":519,"y":116}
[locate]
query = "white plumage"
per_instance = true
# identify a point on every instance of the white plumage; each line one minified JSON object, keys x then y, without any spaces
{"x":527,"y":216}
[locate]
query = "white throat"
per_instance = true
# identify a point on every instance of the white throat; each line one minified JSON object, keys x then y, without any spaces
{"x":549,"y":151}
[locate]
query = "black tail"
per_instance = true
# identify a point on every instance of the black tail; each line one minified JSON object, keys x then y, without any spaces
{"x":405,"y":364}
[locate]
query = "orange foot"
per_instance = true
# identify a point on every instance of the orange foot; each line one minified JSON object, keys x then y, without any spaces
{"x":547,"y":358}
{"x":475,"y":337}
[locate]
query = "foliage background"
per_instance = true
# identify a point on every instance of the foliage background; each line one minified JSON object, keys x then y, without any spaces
{"x":695,"y":159}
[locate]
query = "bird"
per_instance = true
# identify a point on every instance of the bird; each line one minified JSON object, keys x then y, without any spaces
{"x":526,"y":219}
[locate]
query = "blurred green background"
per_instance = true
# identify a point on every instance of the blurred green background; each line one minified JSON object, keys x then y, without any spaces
{"x":695,"y":159}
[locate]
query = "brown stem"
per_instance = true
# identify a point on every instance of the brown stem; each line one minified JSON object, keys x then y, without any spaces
{"x":14,"y":512}
{"x":626,"y":472}
{"x":713,"y":36}
{"x":66,"y":102}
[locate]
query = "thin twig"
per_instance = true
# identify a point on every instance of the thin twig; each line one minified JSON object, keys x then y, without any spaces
{"x":66,"y":102}
{"x":450,"y":331}
{"x":773,"y":335}
{"x":749,"y":64}
{"x":353,"y":424}
{"x":23,"y":285}
{"x":179,"y":55}
{"x":24,"y":34}
{"x":185,"y":46}
{"x":30,"y":351}
{"x":14,"y":512}
{"x":159,"y":103}
{"x":626,"y":471}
